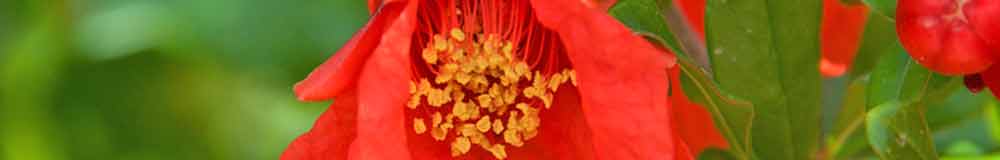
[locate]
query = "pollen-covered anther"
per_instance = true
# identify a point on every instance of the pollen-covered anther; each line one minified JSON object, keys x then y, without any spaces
{"x":419,"y":126}
{"x":460,"y":146}
{"x":481,"y":91}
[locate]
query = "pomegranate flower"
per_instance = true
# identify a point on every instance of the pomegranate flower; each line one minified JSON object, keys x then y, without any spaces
{"x":483,"y":79}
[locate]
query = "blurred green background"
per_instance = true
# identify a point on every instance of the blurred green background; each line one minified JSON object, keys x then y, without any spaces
{"x":154,"y":79}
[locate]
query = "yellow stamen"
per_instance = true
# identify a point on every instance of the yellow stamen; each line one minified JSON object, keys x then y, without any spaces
{"x":457,"y":34}
{"x":513,"y":138}
{"x":572,"y":76}
{"x":497,"y":126}
{"x":485,"y":68}
{"x":498,"y":151}
{"x":418,"y":126}
{"x":483,"y":124}
{"x":430,"y":56}
{"x":460,"y":146}
{"x":414,"y":101}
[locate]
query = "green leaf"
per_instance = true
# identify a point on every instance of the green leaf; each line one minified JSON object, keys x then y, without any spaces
{"x":885,"y":8}
{"x":992,"y":116}
{"x":715,"y":154}
{"x":732,"y":116}
{"x":879,"y":38}
{"x":898,"y":131}
{"x":898,"y":94}
{"x":767,"y":52}
{"x":847,"y":136}
{"x":643,"y":16}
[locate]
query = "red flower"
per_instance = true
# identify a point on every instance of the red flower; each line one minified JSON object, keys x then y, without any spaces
{"x":840,"y":33}
{"x":560,"y":79}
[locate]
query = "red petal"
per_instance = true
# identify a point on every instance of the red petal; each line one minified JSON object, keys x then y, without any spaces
{"x":331,"y":135}
{"x":564,"y":133}
{"x":340,"y":72}
{"x":683,"y":151}
{"x":602,"y":5}
{"x":622,"y":81}
{"x":691,"y":121}
{"x":373,"y":5}
{"x":840,"y":35}
{"x":383,"y":90}
{"x":423,"y":147}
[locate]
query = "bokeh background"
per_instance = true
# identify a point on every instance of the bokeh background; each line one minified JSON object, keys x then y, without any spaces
{"x":156,"y":79}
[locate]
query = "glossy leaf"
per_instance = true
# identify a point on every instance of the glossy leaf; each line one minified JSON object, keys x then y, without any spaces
{"x":642,"y":16}
{"x":766,"y":51}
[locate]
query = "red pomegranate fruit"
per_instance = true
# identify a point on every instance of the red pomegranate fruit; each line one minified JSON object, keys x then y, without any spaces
{"x":951,"y":37}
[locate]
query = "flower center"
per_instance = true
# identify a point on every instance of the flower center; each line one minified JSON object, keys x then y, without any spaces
{"x":485,"y":70}
{"x":481,"y":93}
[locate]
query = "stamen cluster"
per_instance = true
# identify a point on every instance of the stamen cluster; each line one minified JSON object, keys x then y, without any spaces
{"x":480,"y":92}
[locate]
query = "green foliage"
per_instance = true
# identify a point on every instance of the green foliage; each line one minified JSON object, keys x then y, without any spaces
{"x":144,"y":79}
{"x":766,"y":53}
{"x":763,"y":58}
{"x":899,"y":131}
{"x":733,"y":117}
{"x":898,"y":94}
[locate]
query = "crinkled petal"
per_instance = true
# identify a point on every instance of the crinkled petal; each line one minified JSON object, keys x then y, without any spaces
{"x":564,"y":132}
{"x":341,"y":71}
{"x":383,"y":90}
{"x":692,"y":122}
{"x":840,"y":36}
{"x":622,"y":81}
{"x":331,"y":134}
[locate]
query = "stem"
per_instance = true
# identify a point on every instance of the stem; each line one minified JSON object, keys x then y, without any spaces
{"x":691,"y":44}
